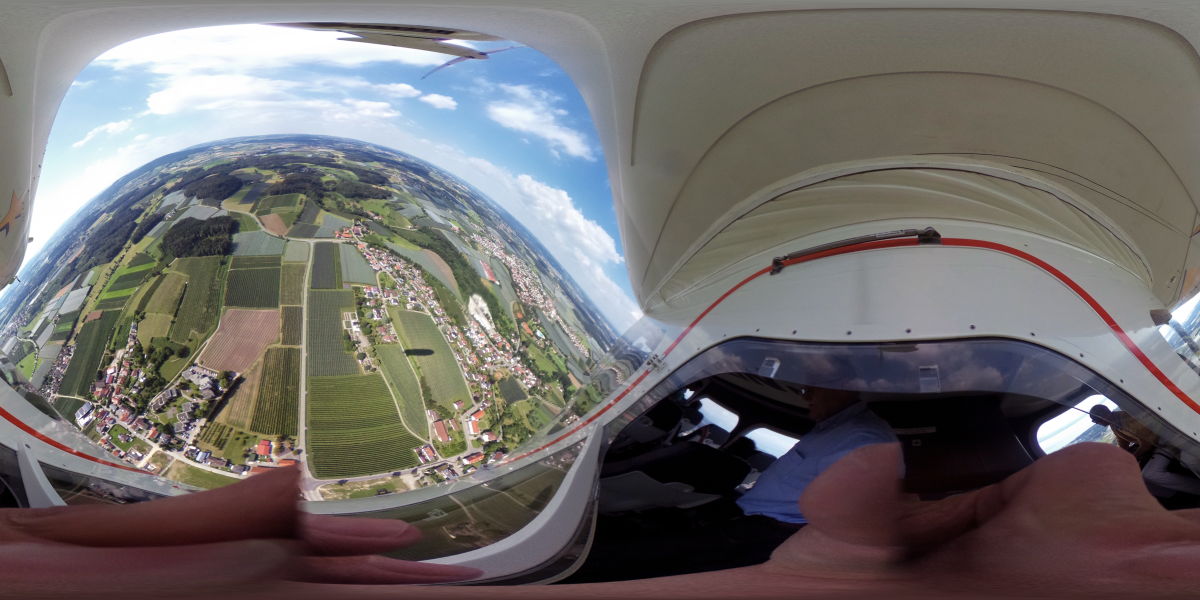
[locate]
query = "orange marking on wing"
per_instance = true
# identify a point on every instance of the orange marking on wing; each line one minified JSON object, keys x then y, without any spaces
{"x":14,"y":213}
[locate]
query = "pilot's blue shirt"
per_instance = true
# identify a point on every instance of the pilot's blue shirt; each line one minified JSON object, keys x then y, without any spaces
{"x":778,"y":489}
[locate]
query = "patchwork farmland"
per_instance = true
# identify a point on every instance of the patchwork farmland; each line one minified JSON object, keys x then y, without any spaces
{"x":240,"y":339}
{"x":354,"y":428}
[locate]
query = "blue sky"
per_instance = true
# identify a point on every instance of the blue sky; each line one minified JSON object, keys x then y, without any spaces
{"x":513,"y":126}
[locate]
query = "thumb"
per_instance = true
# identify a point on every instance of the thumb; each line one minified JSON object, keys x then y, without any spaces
{"x":853,"y":511}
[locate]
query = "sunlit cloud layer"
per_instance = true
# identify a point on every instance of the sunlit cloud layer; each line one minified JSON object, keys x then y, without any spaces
{"x":533,"y":111}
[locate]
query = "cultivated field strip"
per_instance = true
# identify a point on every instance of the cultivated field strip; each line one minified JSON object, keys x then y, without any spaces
{"x":293,"y":326}
{"x":354,"y":267}
{"x":89,"y":348}
{"x":400,"y":375}
{"x":254,"y":262}
{"x":275,"y":412}
{"x":291,"y":288}
{"x":253,"y":288}
{"x":166,"y":297}
{"x":327,"y":354}
{"x":239,"y":409}
{"x":202,"y":301}
{"x":432,"y":356}
{"x":240,"y":339}
{"x":296,"y":252}
{"x":326,"y":274}
{"x":353,"y":428}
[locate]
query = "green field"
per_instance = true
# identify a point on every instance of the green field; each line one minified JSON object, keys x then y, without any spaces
{"x":326,"y":274}
{"x":293,"y":324}
{"x":326,"y":351}
{"x":291,"y":290}
{"x":354,"y":267}
{"x":111,"y":303}
{"x":354,"y":430}
{"x":279,"y":393}
{"x":154,"y":325}
{"x":28,"y":364}
{"x":122,"y":294}
{"x":89,"y":349}
{"x":296,"y":252}
{"x":257,"y":243}
{"x":253,"y":288}
{"x":66,"y":321}
{"x":201,"y":306}
{"x":284,"y":201}
{"x":195,"y":476}
{"x":246,"y":223}
{"x":400,"y":375}
{"x":167,"y":293}
{"x":432,"y":356}
{"x":254,"y":262}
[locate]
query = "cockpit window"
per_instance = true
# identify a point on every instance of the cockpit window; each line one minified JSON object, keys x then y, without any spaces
{"x":394,"y":264}
{"x":1074,"y":425}
{"x":770,"y":441}
{"x":715,"y":414}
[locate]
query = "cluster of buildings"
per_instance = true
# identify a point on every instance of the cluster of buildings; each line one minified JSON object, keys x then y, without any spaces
{"x":477,"y":351}
{"x":528,"y":286}
{"x":54,"y":377}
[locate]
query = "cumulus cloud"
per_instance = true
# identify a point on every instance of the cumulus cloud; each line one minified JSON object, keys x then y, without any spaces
{"x":580,"y":244}
{"x":534,"y":112}
{"x":107,"y":128}
{"x":398,"y":90}
{"x":440,"y":101}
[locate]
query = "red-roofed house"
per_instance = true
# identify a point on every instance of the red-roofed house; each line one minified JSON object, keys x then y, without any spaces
{"x":263,"y":449}
{"x":489,"y":436}
{"x":439,"y":430}
{"x":473,"y":458}
{"x":473,"y":427}
{"x":477,"y":415}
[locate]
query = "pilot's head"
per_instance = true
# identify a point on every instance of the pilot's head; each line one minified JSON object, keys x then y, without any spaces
{"x":825,"y":402}
{"x":1101,"y":415}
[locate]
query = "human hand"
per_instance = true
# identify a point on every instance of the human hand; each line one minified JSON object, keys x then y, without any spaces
{"x":234,"y":542}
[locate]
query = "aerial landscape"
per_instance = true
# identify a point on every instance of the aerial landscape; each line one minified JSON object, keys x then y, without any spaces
{"x":265,"y":301}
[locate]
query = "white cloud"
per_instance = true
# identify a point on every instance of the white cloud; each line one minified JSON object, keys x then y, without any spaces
{"x":250,"y":48}
{"x":371,"y":109}
{"x":530,"y":110}
{"x":398,"y":90}
{"x":440,"y":101}
{"x":215,"y":92}
{"x":107,"y":128}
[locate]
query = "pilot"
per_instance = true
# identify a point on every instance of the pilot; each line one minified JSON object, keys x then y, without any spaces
{"x":844,"y":424}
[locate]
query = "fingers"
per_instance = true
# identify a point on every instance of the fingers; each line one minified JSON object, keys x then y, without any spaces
{"x":858,"y":499}
{"x":199,"y":571}
{"x":377,"y":570}
{"x":338,"y":536}
{"x":263,"y":506}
